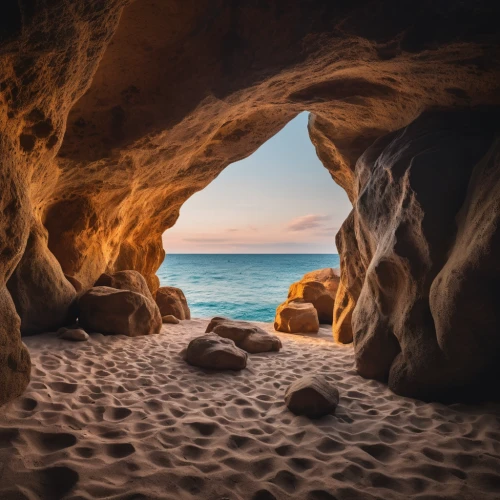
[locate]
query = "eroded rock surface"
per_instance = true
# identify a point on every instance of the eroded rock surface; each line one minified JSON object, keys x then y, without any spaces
{"x":172,"y":301}
{"x":418,"y":257}
{"x":120,"y":312}
{"x":296,"y":317}
{"x":15,"y":363}
{"x":217,"y":353}
{"x":41,"y":293}
{"x":246,"y":336}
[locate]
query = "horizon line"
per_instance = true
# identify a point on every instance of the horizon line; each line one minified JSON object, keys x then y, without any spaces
{"x":248,"y":253}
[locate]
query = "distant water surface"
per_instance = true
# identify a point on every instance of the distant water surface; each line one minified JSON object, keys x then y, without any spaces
{"x":238,"y":286}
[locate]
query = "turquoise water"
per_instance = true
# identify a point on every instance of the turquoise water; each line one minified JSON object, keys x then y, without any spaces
{"x":238,"y":286}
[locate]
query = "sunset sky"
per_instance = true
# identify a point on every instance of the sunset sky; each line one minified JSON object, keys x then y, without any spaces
{"x":279,"y":200}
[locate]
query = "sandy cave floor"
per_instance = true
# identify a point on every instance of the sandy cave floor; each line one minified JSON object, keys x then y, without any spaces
{"x":122,"y":418}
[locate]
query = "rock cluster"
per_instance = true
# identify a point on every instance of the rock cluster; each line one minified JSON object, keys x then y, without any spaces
{"x":246,"y":336}
{"x":226,"y":344}
{"x":317,"y":288}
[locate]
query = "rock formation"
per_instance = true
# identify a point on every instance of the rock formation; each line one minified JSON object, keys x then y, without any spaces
{"x":312,"y":396}
{"x":112,"y":114}
{"x":246,"y":336}
{"x":36,"y":276}
{"x":319,"y":288}
{"x":418,"y":256}
{"x":172,"y":301}
{"x":214,"y":352}
{"x":121,"y":312}
{"x":296,"y":317}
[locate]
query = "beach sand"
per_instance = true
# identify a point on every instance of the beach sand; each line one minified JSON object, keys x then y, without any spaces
{"x":127,"y":418}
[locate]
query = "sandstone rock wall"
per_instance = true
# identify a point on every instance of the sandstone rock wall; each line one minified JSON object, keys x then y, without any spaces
{"x":48,"y":55}
{"x":418,"y":256}
{"x":187,"y":87}
{"x":110,"y":119}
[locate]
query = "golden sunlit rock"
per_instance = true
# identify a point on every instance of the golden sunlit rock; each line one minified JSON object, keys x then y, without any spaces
{"x":296,"y":317}
{"x":318,"y":288}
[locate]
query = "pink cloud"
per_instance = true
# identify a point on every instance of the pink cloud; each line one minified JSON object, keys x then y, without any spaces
{"x":306,"y":222}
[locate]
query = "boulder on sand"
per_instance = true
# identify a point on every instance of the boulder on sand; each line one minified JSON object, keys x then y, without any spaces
{"x":122,"y":312}
{"x":76,"y":334}
{"x":125,"y":280}
{"x":212,"y":351}
{"x":246,"y":336}
{"x":296,"y":317}
{"x":172,"y":301}
{"x":312,"y":396}
{"x":318,"y":288}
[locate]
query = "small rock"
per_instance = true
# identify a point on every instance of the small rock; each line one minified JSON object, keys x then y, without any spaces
{"x":312,"y":396}
{"x":296,"y":317}
{"x":246,"y":336}
{"x":169,"y":318}
{"x":212,"y":351}
{"x":76,"y":334}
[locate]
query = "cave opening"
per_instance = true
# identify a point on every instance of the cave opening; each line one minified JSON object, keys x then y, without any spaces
{"x":113,"y":114}
{"x":262,"y":224}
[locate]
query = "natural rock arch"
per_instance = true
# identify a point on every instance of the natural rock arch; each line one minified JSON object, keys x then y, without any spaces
{"x":155,"y":98}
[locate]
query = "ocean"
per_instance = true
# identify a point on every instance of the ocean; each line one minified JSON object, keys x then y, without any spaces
{"x":238,"y":286}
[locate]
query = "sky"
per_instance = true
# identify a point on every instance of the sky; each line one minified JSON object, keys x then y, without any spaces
{"x":281,"y":199}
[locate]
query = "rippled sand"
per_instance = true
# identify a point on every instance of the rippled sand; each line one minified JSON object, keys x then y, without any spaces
{"x":121,"y":418}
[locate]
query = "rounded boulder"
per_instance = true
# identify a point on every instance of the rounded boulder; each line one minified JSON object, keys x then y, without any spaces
{"x":296,"y":317}
{"x":121,"y":312}
{"x":172,"y":301}
{"x":217,"y":353}
{"x":312,"y":396}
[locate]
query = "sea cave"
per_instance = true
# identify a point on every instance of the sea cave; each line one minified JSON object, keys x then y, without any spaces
{"x":376,"y":380}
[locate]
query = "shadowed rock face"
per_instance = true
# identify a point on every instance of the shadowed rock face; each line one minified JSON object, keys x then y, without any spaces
{"x":113,"y":113}
{"x":418,"y":256}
